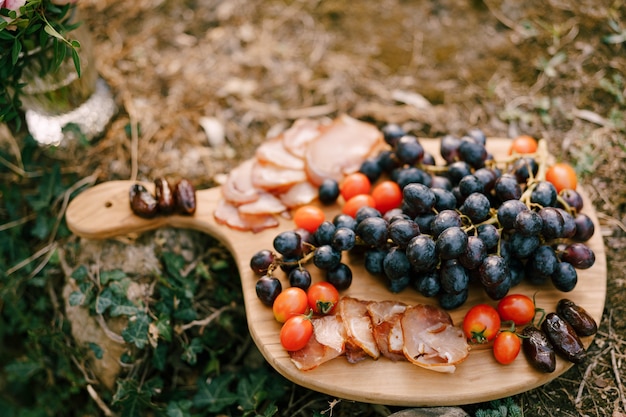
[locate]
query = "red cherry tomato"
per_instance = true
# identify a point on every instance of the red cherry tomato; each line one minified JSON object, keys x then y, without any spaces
{"x":387,"y":195}
{"x":323,"y":297}
{"x":506,"y":347}
{"x":518,"y":308}
{"x":355,"y":203}
{"x":308,"y":217}
{"x":290,"y":302}
{"x":354,"y":184}
{"x":296,"y":332}
{"x":481,"y":323}
{"x":523,"y":144}
{"x":562,"y":175}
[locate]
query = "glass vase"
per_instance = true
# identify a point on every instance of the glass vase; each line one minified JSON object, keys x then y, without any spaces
{"x":61,"y":106}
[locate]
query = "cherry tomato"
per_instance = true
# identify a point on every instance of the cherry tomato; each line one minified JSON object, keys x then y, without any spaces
{"x":518,"y":308}
{"x":354,"y":184}
{"x":355,"y":203}
{"x":296,"y":332}
{"x":308,"y":217}
{"x":387,"y":195}
{"x":523,"y":144}
{"x":562,"y":175}
{"x":506,"y":347}
{"x":290,"y":302}
{"x":481,"y":323}
{"x":323,"y":297}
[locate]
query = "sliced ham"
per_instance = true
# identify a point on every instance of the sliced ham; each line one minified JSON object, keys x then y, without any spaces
{"x":299,"y":194}
{"x":227,"y":214}
{"x":296,"y":139}
{"x":330,"y":331}
{"x":340,"y":149}
{"x":274,"y":152}
{"x":273,"y":178}
{"x":431,"y":340}
{"x":358,"y":325}
{"x":238,"y":188}
{"x":266,"y":203}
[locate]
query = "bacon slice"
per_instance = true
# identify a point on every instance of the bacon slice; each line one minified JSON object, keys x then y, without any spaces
{"x":340,"y":149}
{"x":228,"y":214}
{"x":431,"y":340}
{"x":386,"y":319}
{"x":358,"y":325}
{"x":327,"y":343}
{"x":238,"y":188}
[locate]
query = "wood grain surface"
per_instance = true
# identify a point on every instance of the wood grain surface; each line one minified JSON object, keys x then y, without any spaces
{"x":103,"y":212}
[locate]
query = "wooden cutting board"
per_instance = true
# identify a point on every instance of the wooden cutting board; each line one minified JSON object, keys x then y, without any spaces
{"x":103,"y":212}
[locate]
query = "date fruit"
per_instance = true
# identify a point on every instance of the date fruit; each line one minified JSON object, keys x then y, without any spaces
{"x":538,"y":349}
{"x":563,"y":338}
{"x":142,"y":202}
{"x":164,"y":196}
{"x":577,"y":317}
{"x":185,"y":197}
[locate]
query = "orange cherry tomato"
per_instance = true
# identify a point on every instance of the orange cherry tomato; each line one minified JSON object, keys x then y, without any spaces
{"x":563,"y":176}
{"x":354,"y":184}
{"x":506,"y":347}
{"x":355,"y":203}
{"x":523,"y":144}
{"x":323,"y":297}
{"x":481,"y":323}
{"x":308,"y":217}
{"x":518,"y":308}
{"x":387,"y":195}
{"x":296,"y":332}
{"x":290,"y":302}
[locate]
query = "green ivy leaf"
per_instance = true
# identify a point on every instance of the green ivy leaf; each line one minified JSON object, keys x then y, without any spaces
{"x":251,"y":392}
{"x":76,"y":298}
{"x":215,"y":395}
{"x":137,"y":330}
{"x":104,"y":300}
{"x":81,"y":273}
{"x":178,"y":409}
{"x":96,"y":349}
{"x":114,"y":275}
{"x":191,"y":350}
{"x":159,"y":356}
{"x":22,"y":370}
{"x":123,"y":310}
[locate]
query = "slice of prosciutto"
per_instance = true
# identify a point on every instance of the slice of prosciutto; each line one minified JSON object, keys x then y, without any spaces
{"x":327,"y":343}
{"x":431,"y":340}
{"x":341,"y":148}
{"x":296,"y":139}
{"x":274,"y":152}
{"x":228,"y":214}
{"x":359,"y":327}
{"x":386,"y":319}
{"x":238,"y":188}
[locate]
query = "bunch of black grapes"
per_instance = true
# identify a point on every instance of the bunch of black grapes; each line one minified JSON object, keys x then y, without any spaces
{"x":472,"y":220}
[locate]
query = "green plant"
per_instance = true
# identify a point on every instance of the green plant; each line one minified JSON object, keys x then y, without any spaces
{"x":32,"y":31}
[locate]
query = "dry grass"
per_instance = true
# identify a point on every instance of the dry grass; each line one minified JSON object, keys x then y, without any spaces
{"x":507,"y":67}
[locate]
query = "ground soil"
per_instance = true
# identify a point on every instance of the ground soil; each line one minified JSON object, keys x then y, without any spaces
{"x":436,"y":67}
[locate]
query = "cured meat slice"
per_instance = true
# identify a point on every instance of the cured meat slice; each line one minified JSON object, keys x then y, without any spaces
{"x":297,"y":138}
{"x":299,"y":194}
{"x":228,"y":214}
{"x":431,"y":340}
{"x":238,"y":188}
{"x":274,"y":152}
{"x":386,"y":319}
{"x":358,"y":325}
{"x":266,"y":204}
{"x":273,"y":178}
{"x":340,"y":149}
{"x":328,"y":342}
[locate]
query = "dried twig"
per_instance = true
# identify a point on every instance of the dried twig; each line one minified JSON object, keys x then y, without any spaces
{"x":618,"y":380}
{"x":205,"y":321}
{"x":101,"y":404}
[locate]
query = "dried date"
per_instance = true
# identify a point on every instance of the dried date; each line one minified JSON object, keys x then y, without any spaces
{"x":538,"y":349}
{"x":185,"y":197}
{"x":142,"y":202}
{"x":577,"y":317}
{"x":164,"y":196}
{"x":563,"y":338}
